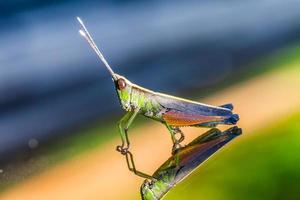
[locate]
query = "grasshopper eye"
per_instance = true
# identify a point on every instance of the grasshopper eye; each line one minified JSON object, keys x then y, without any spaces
{"x":121,"y":84}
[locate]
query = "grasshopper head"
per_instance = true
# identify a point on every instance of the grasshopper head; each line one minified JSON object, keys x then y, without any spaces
{"x":123,"y":88}
{"x":156,"y":189}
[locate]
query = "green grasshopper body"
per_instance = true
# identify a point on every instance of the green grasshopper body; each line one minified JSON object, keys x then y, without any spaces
{"x":172,"y":111}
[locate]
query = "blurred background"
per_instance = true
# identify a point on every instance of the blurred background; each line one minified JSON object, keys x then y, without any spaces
{"x":58,"y":107}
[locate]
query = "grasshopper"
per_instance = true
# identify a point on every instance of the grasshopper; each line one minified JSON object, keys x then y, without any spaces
{"x":173,"y":112}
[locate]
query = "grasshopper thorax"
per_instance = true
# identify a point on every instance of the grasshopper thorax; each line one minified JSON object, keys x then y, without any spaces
{"x":123,"y":88}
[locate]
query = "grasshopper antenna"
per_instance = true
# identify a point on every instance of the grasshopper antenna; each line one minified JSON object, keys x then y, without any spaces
{"x":84,"y":33}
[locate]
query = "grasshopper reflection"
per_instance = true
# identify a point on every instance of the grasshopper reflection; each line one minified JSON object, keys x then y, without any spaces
{"x":184,"y":161}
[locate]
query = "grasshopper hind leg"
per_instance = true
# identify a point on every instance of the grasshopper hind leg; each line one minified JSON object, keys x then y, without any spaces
{"x":177,"y":137}
{"x":230,"y":120}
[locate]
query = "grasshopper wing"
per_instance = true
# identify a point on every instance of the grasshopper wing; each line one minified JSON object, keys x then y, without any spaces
{"x":182,"y":112}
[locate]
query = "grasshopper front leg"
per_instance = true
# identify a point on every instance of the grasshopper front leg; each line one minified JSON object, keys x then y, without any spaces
{"x":123,"y":126}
